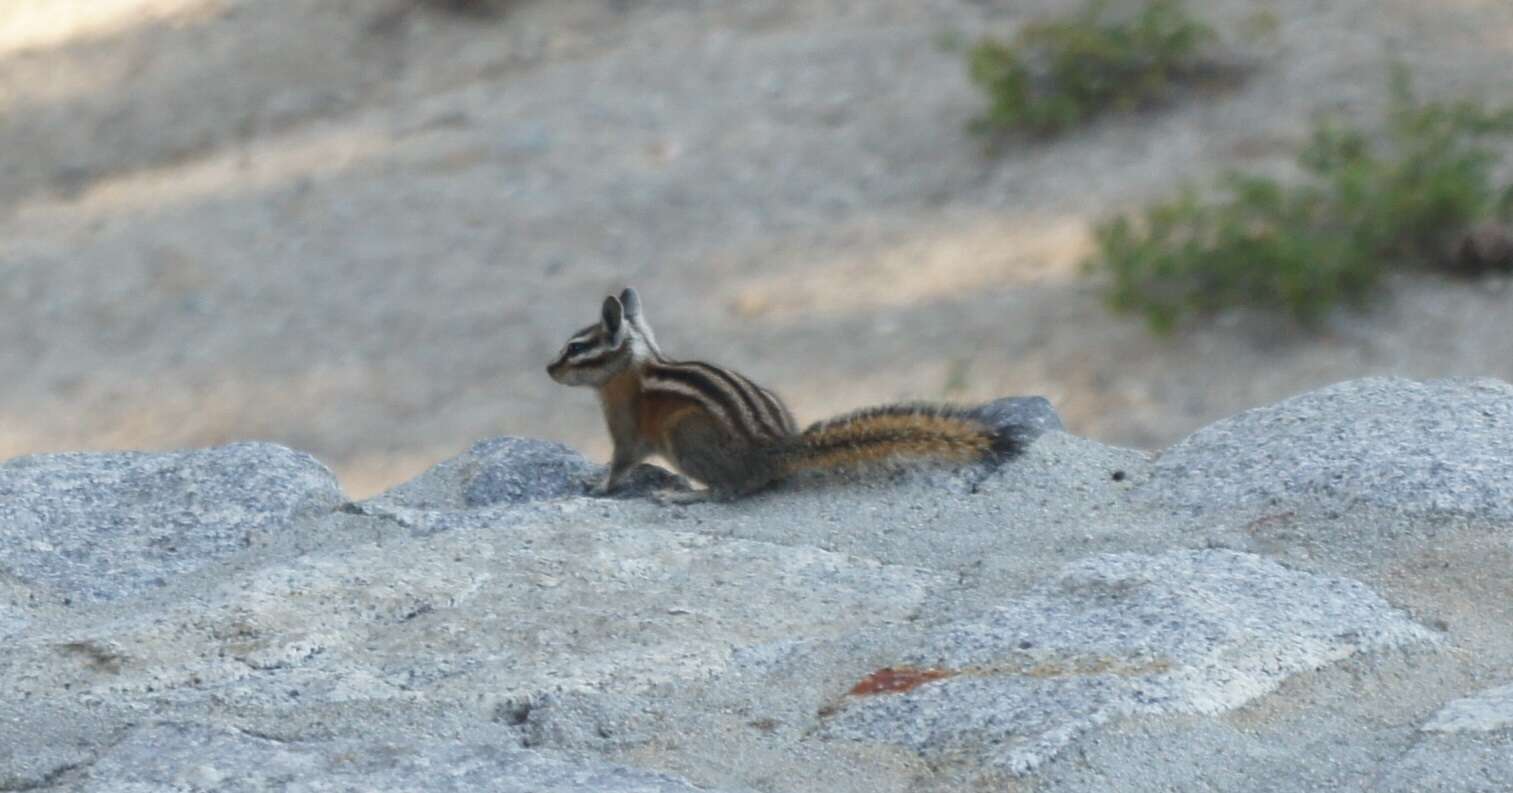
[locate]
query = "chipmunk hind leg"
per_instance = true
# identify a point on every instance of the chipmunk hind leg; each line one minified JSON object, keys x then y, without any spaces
{"x":730,"y":466}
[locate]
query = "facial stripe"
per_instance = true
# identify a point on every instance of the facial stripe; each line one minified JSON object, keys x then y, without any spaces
{"x":593,"y":357}
{"x":595,"y":341}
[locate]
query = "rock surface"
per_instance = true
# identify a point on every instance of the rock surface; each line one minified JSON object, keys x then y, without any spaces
{"x":1486,"y":711}
{"x":1308,"y":596}
{"x":1443,"y":447}
{"x":107,"y":526}
{"x":1122,"y":635}
{"x":200,"y":758}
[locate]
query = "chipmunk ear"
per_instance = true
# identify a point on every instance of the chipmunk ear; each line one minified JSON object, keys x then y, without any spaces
{"x":613,"y":315}
{"x":636,"y":319}
{"x":632,"y":303}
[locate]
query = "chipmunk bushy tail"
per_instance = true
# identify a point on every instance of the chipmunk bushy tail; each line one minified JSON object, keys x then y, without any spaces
{"x":913,"y":431}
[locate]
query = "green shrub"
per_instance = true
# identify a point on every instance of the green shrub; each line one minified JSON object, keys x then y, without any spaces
{"x":1363,"y":206}
{"x":1059,"y":74}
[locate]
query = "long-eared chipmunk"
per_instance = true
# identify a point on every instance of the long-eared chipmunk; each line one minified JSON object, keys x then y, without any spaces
{"x":736,"y":437}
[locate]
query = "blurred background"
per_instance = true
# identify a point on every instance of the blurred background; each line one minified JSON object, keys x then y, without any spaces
{"x":362,"y":227}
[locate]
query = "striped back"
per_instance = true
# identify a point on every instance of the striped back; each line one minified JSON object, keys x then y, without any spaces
{"x":752,"y":412}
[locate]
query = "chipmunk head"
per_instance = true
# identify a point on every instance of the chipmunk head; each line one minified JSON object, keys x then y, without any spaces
{"x":597,"y":353}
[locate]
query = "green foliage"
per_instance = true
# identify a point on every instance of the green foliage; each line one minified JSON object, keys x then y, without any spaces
{"x":1364,"y":206}
{"x":1261,"y":25}
{"x":1059,"y":74}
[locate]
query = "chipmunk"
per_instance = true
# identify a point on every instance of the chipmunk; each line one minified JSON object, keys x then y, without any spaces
{"x":717,"y":427}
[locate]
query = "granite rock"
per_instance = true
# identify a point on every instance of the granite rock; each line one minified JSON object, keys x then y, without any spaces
{"x":1117,"y":636}
{"x":1485,"y":711}
{"x":1078,"y":618}
{"x":167,"y":757}
{"x":1437,"y":447}
{"x":509,"y":471}
{"x":103,"y":526}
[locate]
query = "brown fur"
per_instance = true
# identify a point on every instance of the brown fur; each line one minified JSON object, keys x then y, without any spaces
{"x":920,"y":431}
{"x":721,"y":429}
{"x":662,"y":417}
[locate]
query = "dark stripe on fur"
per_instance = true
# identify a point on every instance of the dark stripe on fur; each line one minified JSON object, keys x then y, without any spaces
{"x":851,"y":432}
{"x":704,"y":385}
{"x":593,"y":360}
{"x":748,"y":394}
{"x":778,"y":409}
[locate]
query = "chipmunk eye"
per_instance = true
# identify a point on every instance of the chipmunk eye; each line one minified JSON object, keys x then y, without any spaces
{"x":577,"y":347}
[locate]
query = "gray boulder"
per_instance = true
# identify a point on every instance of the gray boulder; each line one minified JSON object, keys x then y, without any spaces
{"x":508,"y":471}
{"x":1308,"y":596}
{"x":103,"y":526}
{"x":1028,"y":417}
{"x":1439,"y":447}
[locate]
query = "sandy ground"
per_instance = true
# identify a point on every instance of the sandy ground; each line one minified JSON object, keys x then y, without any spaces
{"x":361,"y":228}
